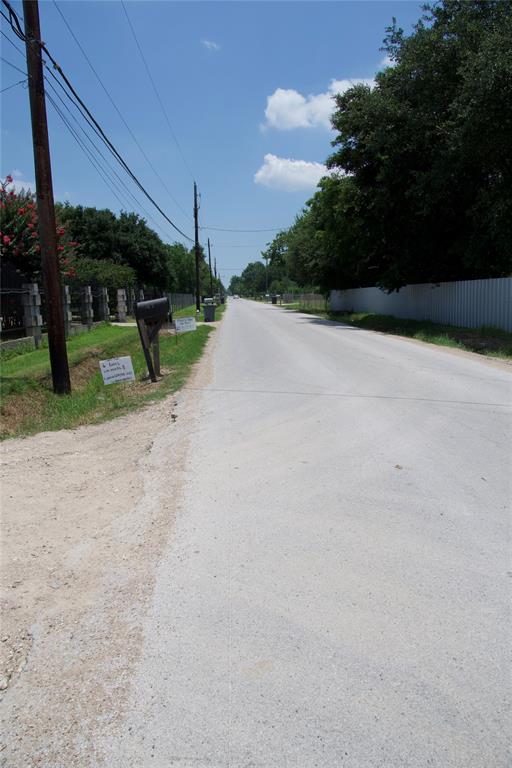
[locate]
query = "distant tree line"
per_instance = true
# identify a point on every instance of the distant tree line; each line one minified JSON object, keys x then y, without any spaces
{"x":97,"y":247}
{"x":421,"y":184}
{"x":123,"y":249}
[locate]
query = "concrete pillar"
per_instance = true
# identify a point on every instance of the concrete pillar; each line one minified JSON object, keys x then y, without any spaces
{"x":86,"y":310}
{"x":66,"y":309}
{"x":32,"y":312}
{"x":130,"y":300}
{"x":121,"y":305}
{"x":103,"y":308}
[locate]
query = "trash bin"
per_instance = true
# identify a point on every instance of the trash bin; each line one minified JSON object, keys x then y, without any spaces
{"x":274,"y":299}
{"x":209,"y":313}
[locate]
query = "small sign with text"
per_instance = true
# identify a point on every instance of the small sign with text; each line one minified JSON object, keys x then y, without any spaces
{"x":185,"y":324}
{"x":117,"y":369}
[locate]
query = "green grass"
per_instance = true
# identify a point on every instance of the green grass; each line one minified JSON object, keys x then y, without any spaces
{"x":191,"y":312}
{"x":485,"y":341}
{"x":29,"y":404}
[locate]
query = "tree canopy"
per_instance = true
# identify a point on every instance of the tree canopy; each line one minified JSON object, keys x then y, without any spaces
{"x":421,"y":184}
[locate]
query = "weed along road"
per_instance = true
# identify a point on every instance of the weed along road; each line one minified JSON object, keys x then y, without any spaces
{"x":335,"y":590}
{"x":299,"y":560}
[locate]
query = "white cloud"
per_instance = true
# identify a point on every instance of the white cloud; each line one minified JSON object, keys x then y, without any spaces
{"x":288,"y":109}
{"x":290,"y":175}
{"x":211,"y":45}
{"x":19,"y":182}
{"x":386,"y":62}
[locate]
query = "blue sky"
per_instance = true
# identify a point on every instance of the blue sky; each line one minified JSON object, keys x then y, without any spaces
{"x":246,"y":86}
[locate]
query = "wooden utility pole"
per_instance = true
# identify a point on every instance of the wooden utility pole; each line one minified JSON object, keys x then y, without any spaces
{"x":196,"y":248}
{"x":45,"y":204}
{"x":210,"y":265}
{"x":215,"y":267}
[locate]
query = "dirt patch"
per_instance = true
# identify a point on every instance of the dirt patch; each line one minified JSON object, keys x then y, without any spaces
{"x":21,"y":407}
{"x":86,"y":514}
{"x":18,"y":409}
{"x":81,"y":373}
{"x":478,"y":342}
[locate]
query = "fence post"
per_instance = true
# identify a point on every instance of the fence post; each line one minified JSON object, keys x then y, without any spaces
{"x":32,"y":312}
{"x":121,"y":305}
{"x":66,"y":309}
{"x":103,"y":308}
{"x":87,"y":313}
{"x":130,"y":298}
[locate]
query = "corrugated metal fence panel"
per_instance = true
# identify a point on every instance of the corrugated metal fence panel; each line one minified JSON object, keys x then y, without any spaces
{"x":470,"y":303}
{"x":181,"y":300}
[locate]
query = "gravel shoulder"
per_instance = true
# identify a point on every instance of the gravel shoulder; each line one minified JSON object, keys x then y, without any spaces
{"x":86,"y":515}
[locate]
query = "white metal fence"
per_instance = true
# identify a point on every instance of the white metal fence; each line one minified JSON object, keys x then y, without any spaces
{"x":470,"y":303}
{"x":305,"y":300}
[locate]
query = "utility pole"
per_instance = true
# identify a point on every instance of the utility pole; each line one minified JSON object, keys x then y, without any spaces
{"x":45,"y":204}
{"x":210,"y":264}
{"x":215,"y":267}
{"x":266,"y":274}
{"x":196,"y":247}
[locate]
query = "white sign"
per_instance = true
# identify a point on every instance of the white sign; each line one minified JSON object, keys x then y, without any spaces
{"x":117,"y":369}
{"x":184,"y":324}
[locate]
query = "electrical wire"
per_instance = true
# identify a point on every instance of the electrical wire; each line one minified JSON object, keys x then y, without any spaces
{"x":248,"y":245}
{"x":220,"y":229}
{"x":85,"y":149}
{"x":13,"y":85}
{"x":13,"y":66}
{"x":141,"y":149}
{"x":157,"y":94}
{"x":101,"y":171}
{"x":16,"y":26}
{"x":13,"y":20}
{"x":9,"y":39}
{"x":117,"y":187}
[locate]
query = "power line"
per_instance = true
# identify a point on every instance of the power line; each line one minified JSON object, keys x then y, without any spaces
{"x":157,"y":94}
{"x":220,"y":229}
{"x":13,"y":66}
{"x":103,"y":173}
{"x":15,"y":24}
{"x":92,"y":160}
{"x":85,"y":149}
{"x":84,"y":53}
{"x":13,"y":85}
{"x":247,"y":245}
{"x":101,"y":170}
{"x":9,"y":39}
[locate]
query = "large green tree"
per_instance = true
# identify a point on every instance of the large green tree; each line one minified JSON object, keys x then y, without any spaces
{"x":422,"y":190}
{"x":429,"y":148}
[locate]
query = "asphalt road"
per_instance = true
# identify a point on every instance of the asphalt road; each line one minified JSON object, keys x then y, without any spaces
{"x":336,"y":593}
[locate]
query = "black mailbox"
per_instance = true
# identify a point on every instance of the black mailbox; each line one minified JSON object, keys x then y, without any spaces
{"x":150,"y":316}
{"x":154,"y":309}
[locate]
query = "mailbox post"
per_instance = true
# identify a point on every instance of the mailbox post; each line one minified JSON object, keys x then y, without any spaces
{"x":150,"y":316}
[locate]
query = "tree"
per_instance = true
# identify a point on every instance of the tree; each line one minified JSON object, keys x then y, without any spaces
{"x":254,"y":278}
{"x":423,"y":189}
{"x":19,"y":234}
{"x":125,"y":240}
{"x":433,"y":190}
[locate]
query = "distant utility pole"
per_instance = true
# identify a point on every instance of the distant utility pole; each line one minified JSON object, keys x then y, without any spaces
{"x":210,"y":263}
{"x":45,"y":205}
{"x":196,"y":247}
{"x":266,"y":273}
{"x":215,"y":267}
